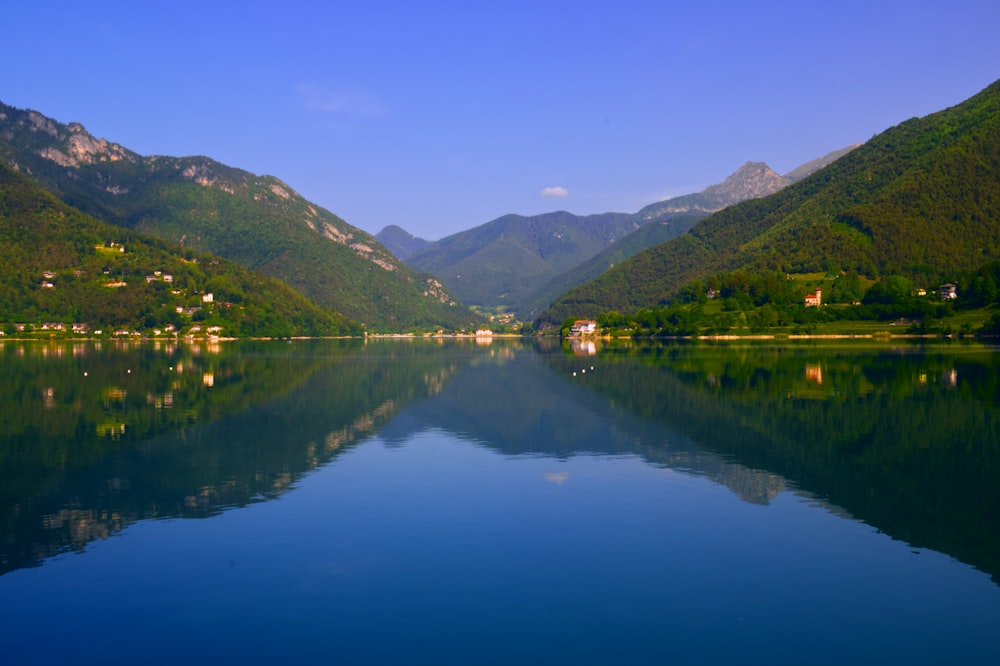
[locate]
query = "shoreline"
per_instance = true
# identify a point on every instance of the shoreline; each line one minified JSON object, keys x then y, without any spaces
{"x":506,"y":336}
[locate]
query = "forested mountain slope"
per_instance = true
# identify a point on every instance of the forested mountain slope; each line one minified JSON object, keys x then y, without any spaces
{"x":257,"y":221}
{"x":499,"y":262}
{"x":921,"y":199}
{"x":62,"y":267}
{"x":661,"y":229}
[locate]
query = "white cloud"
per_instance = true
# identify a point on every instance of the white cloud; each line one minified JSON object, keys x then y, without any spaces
{"x":557,"y":192}
{"x":558,"y":478}
{"x":343,"y":101}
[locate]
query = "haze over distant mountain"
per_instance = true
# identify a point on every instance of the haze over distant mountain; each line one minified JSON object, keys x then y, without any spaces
{"x":400,"y":242}
{"x":257,"y":221}
{"x":654,"y":232}
{"x":499,"y":262}
{"x":920,"y":200}
{"x":523,"y":263}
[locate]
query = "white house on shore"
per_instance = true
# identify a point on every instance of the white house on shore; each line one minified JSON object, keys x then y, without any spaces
{"x":948,"y":291}
{"x":583,"y":327}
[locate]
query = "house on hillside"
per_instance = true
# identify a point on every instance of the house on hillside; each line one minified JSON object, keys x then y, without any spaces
{"x":583,"y":327}
{"x":948,"y":291}
{"x":815,"y":299}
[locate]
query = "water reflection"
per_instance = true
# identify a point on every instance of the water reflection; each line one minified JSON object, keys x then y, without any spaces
{"x":94,"y":437}
{"x":905,"y":437}
{"x":514,"y":403}
{"x":110,"y":434}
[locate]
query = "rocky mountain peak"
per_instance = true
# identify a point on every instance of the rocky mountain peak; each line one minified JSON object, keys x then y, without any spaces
{"x":750,"y":181}
{"x":66,"y":145}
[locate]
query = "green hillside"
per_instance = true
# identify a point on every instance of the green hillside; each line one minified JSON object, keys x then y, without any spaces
{"x":500,"y":262}
{"x":257,"y":221}
{"x":62,"y":267}
{"x":921,"y":200}
{"x":652,"y":233}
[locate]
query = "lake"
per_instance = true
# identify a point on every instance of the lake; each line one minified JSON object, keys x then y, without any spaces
{"x":455,"y":502}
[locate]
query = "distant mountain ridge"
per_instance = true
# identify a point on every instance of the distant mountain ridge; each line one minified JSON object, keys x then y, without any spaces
{"x":657,"y":231}
{"x":400,"y":242}
{"x":525,"y":262}
{"x":751,"y":181}
{"x":257,"y":221}
{"x":499,"y":262}
{"x":920,"y":200}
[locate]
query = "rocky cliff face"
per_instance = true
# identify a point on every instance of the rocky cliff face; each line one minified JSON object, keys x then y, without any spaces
{"x":751,"y":181}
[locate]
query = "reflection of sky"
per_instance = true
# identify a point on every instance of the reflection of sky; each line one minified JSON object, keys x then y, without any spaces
{"x":441,"y":551}
{"x":525,"y":408}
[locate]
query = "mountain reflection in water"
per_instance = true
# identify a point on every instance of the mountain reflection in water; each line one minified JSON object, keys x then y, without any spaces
{"x":903,"y":437}
{"x":99,"y":436}
{"x":95,"y":437}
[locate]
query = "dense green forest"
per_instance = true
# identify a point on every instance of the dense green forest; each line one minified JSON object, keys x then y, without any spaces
{"x":258,"y":222}
{"x":920,"y":201}
{"x":63,"y":268}
{"x":764,"y":302}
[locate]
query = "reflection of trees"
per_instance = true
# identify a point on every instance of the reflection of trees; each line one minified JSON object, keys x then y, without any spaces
{"x":65,"y":407}
{"x":907,"y":439}
{"x":517,"y":405}
{"x":274,"y":412}
{"x":904,"y":439}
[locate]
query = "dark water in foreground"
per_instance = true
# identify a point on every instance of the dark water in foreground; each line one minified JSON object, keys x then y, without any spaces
{"x":451,"y":503}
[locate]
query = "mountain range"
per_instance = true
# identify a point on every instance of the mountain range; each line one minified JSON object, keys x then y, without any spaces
{"x":257,"y":221}
{"x":920,"y":200}
{"x":500,"y":262}
{"x":523,"y":263}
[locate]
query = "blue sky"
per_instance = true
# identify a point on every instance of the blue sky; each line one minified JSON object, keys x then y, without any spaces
{"x":441,"y":116}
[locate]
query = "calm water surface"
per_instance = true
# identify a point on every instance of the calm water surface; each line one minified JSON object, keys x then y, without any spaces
{"x":452,"y":503}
